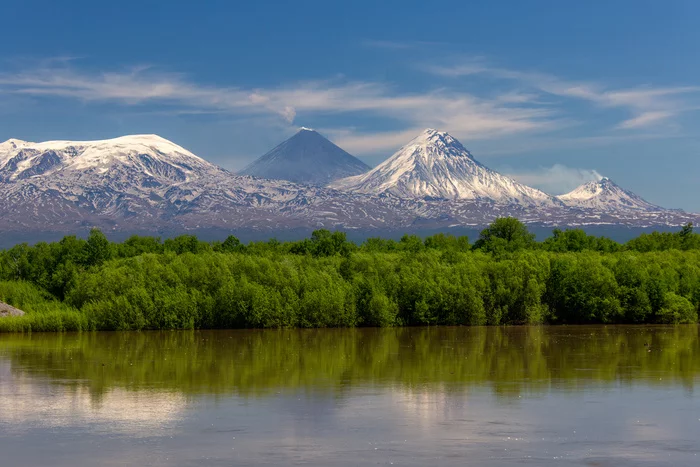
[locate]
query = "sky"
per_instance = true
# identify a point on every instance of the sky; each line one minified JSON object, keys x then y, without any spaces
{"x":552,"y":93}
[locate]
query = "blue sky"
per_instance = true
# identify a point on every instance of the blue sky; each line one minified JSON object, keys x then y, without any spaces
{"x":551,"y":92}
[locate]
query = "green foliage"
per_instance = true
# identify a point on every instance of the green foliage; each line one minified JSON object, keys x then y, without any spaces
{"x":677,"y":310}
{"x":97,"y":248}
{"x":185,"y":244}
{"x":685,"y":239}
{"x":43,"y":312}
{"x":51,"y":321}
{"x":230,"y":245}
{"x":577,"y":240}
{"x":447,"y":243}
{"x":506,"y":234}
{"x":324,"y":243}
{"x":135,"y":246}
{"x":582,"y":290}
{"x":30,"y":298}
{"x":328,"y":281}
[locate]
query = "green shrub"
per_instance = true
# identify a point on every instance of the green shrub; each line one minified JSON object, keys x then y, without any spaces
{"x":677,"y":310}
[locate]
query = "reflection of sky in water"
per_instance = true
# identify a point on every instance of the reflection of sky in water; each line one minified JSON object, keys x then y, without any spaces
{"x":29,"y":402}
{"x":413,"y":397}
{"x":47,"y":422}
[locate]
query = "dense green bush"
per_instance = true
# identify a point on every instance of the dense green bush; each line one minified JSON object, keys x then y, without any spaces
{"x":327,"y":281}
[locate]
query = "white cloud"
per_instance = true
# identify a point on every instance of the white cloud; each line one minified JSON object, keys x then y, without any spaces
{"x":649,"y":106}
{"x":645,"y":119}
{"x":557,"y":179}
{"x":462,"y":113}
{"x":526,"y":110}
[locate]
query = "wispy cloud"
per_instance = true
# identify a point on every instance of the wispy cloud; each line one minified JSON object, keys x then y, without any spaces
{"x":645,"y":119}
{"x":557,"y":179}
{"x":648,"y":106}
{"x":459,"y":112}
{"x":533,"y":105}
{"x":135,"y":87}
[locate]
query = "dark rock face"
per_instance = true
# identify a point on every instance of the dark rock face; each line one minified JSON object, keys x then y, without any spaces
{"x":46,"y":162}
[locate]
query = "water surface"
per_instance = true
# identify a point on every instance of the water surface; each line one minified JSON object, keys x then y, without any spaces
{"x":588,"y":396}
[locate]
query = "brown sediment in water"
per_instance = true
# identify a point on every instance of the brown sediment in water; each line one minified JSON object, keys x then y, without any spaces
{"x":7,"y":310}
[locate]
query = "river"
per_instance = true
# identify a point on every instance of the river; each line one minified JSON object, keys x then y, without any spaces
{"x":571,"y":396}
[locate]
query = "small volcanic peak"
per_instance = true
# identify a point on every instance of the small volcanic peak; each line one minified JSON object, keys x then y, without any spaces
{"x":308,"y":158}
{"x":606,"y":195}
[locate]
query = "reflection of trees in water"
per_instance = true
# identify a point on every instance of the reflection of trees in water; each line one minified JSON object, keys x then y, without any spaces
{"x":511,"y":360}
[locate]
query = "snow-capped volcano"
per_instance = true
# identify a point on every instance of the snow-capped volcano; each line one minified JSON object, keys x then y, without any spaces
{"x":149,"y":158}
{"x":144,"y":183}
{"x":435,"y":164}
{"x":606,"y":195}
{"x":307,"y":157}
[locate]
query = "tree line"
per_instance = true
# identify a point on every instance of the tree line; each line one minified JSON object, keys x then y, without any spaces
{"x":504,"y":277}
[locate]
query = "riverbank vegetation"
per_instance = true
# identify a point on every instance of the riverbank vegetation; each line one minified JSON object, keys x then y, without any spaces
{"x":504,"y":277}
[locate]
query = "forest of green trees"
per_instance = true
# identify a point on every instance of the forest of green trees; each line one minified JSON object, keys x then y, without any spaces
{"x":504,"y":277}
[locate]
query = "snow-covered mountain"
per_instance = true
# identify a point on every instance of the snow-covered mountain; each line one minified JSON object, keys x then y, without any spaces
{"x":307,"y":157}
{"x":139,"y":160}
{"x":142,"y":176}
{"x":146,"y":184}
{"x":605,"y":195}
{"x":434,"y":164}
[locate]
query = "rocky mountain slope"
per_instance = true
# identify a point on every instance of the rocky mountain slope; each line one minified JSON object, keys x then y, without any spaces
{"x":307,"y":157}
{"x":436,"y":165}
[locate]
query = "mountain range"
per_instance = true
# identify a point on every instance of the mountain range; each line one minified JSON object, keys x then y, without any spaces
{"x":145,"y":183}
